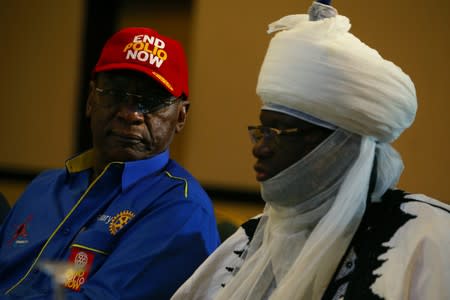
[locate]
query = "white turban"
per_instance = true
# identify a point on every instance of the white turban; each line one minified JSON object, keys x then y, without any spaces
{"x":319,"y":68}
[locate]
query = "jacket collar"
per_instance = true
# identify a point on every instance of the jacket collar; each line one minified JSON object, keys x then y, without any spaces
{"x":132,"y":170}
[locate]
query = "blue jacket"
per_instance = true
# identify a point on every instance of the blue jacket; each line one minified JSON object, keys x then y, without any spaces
{"x":138,"y":230}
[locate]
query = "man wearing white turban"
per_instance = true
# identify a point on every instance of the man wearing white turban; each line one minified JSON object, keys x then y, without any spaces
{"x":334,"y":226}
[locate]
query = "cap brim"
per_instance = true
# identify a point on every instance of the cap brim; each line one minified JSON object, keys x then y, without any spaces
{"x":133,"y":67}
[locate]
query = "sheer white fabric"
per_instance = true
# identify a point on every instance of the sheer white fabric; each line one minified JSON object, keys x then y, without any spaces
{"x":388,"y":169}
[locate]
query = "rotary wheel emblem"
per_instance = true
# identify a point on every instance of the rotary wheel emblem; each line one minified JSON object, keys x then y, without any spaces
{"x":81,"y":259}
{"x":120,"y":220}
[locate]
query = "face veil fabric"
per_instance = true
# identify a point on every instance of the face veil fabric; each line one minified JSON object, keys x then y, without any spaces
{"x":300,"y":245}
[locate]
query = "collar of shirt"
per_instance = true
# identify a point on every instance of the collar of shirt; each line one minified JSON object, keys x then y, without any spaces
{"x":132,"y":170}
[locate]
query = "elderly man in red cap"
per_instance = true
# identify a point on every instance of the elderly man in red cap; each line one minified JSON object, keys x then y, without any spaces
{"x":130,"y":221}
{"x":334,"y":226}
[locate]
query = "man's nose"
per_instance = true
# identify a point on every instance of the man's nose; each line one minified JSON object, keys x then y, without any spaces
{"x":129,"y":111}
{"x":263,"y":148}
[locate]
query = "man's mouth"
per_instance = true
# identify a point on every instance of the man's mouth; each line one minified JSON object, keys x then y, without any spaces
{"x":261,"y":173}
{"x":127,"y":138}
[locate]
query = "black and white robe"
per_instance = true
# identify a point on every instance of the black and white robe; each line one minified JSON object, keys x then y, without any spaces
{"x":401,"y":250}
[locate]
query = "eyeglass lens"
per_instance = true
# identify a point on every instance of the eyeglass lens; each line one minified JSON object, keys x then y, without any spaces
{"x":260,"y":132}
{"x":143,"y":104}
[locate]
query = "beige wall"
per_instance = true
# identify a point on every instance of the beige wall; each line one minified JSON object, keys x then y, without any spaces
{"x":39,"y":59}
{"x":226,"y":42}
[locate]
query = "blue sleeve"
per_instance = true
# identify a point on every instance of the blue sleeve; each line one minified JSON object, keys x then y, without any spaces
{"x":155,"y":256}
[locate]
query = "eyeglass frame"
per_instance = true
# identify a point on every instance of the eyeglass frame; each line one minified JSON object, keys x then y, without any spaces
{"x":123,"y":98}
{"x":275,"y":133}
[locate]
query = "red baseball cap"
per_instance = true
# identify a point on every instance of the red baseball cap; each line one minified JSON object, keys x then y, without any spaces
{"x":145,"y":50}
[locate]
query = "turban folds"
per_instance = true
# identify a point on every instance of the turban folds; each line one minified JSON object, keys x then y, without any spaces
{"x":319,"y":68}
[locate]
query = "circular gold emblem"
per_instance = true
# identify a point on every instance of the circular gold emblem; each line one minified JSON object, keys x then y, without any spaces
{"x":120,"y":220}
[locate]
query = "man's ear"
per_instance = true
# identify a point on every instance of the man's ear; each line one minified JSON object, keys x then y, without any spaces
{"x":90,"y":99}
{"x":182,"y":115}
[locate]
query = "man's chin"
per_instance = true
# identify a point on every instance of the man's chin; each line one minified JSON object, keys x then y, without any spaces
{"x":127,"y":154}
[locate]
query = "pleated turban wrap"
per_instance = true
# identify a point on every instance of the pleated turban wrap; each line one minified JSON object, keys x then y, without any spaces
{"x":319,"y":68}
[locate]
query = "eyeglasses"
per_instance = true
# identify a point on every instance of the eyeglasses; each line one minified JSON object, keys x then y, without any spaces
{"x":257,"y":133}
{"x":144,"y":104}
